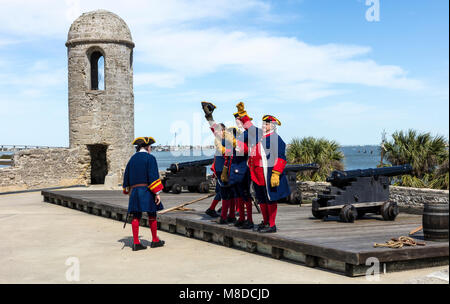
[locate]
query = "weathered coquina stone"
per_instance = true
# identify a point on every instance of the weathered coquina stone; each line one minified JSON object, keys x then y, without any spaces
{"x":101,"y":112}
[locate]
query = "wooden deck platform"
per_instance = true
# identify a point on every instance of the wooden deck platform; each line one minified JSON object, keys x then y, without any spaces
{"x":326,"y":244}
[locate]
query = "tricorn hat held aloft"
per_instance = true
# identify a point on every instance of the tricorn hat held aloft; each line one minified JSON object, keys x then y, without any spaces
{"x":144,"y":141}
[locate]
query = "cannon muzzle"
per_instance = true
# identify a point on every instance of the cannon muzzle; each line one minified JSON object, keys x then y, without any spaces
{"x":343,"y":176}
{"x":301,"y":167}
{"x":176,"y":167}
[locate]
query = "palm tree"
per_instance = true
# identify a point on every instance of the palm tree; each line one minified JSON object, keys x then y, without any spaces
{"x":421,"y":150}
{"x":441,"y":176}
{"x":324,"y":152}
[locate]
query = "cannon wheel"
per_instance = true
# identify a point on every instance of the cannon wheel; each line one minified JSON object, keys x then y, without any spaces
{"x":295,"y":198}
{"x":165,"y":189}
{"x":176,"y":188}
{"x":389,"y":211}
{"x":348,"y":214}
{"x":315,"y":212}
{"x":203,"y":187}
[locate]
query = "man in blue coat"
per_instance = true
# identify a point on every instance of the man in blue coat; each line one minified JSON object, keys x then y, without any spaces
{"x":142,"y":183}
{"x":229,"y":171}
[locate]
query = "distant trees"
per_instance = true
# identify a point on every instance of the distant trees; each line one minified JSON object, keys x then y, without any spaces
{"x":428,"y":155}
{"x":326,"y":153}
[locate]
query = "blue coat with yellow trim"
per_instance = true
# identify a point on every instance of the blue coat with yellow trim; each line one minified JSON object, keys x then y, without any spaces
{"x":142,"y":168}
{"x":237,"y":166}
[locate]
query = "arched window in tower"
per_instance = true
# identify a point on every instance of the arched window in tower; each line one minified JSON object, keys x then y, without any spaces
{"x":97,"y":61}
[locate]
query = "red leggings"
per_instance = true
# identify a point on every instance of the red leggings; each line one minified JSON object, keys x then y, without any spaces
{"x":153,"y":224}
{"x":269,"y":213}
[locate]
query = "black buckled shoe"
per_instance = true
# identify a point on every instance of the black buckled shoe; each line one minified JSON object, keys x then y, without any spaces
{"x":268,"y":229}
{"x":212,"y":213}
{"x":261,"y":226}
{"x":160,"y":243}
{"x":246,"y":225}
{"x":139,"y":246}
{"x":231,"y":220}
{"x":239,"y":224}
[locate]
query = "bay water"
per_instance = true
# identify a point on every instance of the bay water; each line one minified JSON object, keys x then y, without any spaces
{"x":355,"y":157}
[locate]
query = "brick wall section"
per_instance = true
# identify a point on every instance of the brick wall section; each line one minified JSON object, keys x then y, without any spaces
{"x":39,"y":168}
{"x":410,"y":200}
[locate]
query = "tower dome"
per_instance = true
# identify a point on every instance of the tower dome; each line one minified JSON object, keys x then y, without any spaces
{"x":99,"y":26}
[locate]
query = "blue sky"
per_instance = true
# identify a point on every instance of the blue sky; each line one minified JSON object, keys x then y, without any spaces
{"x":317,"y":65}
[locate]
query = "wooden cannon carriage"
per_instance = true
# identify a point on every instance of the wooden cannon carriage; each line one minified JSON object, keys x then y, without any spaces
{"x":356,"y":192}
{"x":190,"y":175}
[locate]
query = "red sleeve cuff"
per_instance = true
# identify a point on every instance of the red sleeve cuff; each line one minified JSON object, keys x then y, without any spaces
{"x":279,"y":165}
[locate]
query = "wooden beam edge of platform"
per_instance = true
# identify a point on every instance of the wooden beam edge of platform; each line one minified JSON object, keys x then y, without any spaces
{"x":354,"y":261}
{"x":226,"y":231}
{"x":272,"y":240}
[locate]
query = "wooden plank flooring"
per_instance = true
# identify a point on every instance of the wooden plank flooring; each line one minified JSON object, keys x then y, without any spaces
{"x":322,"y":241}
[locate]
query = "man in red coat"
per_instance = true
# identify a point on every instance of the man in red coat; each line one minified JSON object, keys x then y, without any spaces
{"x":267,"y":160}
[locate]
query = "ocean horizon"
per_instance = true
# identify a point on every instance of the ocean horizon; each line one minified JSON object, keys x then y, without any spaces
{"x":355,"y":156}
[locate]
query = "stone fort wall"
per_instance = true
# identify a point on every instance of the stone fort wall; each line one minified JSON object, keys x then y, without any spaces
{"x":46,"y":168}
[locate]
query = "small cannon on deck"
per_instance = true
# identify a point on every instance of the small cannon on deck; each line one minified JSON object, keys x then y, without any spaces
{"x":291,"y":173}
{"x":191,"y":175}
{"x":357,"y":192}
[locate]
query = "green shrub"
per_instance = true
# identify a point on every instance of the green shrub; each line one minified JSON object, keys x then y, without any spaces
{"x":427,"y":155}
{"x":324,"y":152}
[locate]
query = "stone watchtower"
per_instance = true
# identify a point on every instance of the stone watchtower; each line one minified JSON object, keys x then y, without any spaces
{"x":101,"y":99}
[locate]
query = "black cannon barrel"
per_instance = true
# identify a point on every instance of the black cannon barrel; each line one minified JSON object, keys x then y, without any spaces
{"x":301,"y":167}
{"x":340,"y":176}
{"x":197,"y":163}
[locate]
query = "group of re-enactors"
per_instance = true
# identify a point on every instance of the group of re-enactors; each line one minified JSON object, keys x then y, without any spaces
{"x":245,"y":156}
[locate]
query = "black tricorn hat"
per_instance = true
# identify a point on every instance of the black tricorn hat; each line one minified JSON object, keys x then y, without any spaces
{"x":144,"y":141}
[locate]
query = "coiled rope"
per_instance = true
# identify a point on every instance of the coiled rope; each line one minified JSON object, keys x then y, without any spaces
{"x":399,"y":242}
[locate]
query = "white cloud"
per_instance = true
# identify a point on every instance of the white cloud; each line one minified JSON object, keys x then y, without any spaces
{"x":167,"y":35}
{"x":281,"y":61}
{"x":50,"y":18}
{"x":5,"y":42}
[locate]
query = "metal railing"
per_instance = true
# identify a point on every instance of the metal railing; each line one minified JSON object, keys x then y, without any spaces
{"x":15,"y":148}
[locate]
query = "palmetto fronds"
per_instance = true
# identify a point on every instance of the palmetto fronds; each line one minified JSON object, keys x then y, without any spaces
{"x":324,"y":152}
{"x":426,"y":154}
